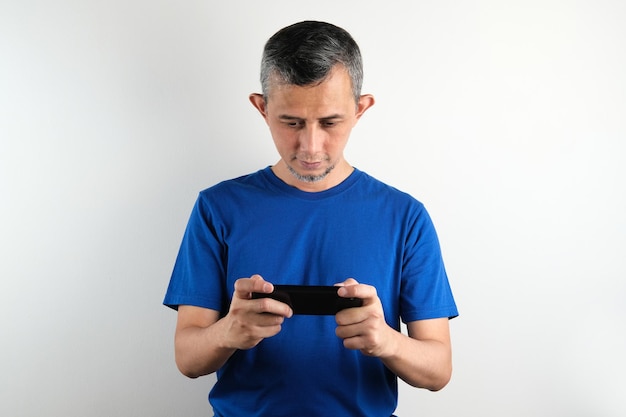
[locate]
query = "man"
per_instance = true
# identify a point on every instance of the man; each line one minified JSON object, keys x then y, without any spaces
{"x":310,"y":219}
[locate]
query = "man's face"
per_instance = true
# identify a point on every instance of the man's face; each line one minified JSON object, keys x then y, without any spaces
{"x":310,"y":126}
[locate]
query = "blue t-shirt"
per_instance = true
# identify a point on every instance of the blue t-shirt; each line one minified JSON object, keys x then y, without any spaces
{"x":361,"y":229}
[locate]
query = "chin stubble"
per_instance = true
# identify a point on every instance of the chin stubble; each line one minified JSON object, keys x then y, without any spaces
{"x":310,"y":178}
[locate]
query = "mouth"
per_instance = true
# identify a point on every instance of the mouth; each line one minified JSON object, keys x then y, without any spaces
{"x":309,"y":162}
{"x":310,"y":165}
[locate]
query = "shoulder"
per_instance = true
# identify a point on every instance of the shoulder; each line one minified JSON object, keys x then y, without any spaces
{"x":389,"y":193}
{"x":229,"y":197}
{"x":238,"y":187}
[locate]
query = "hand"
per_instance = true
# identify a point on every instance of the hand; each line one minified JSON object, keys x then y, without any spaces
{"x":250,"y":321}
{"x":364,"y":328}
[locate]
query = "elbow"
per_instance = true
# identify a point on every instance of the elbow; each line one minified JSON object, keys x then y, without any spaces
{"x":438,"y":385}
{"x":186,"y":370}
{"x":188,"y":373}
{"x":433,"y":382}
{"x":189,"y":369}
{"x":442,"y":374}
{"x":192,"y":372}
{"x":440,"y":381}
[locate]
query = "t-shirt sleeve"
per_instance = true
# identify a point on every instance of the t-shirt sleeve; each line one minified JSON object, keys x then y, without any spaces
{"x":425,"y":291}
{"x":197,"y":275}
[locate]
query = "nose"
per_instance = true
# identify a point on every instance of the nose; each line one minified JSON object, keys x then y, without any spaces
{"x":312,"y":139}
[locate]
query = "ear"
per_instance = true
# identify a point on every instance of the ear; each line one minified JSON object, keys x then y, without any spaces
{"x":365,"y":102}
{"x":258,"y":101}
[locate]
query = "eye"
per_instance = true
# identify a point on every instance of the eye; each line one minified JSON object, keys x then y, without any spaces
{"x":294,"y":124}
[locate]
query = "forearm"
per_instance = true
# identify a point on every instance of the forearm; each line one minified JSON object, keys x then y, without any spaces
{"x":420,"y":363}
{"x":204,"y":341}
{"x":422,"y":359}
{"x":199,"y":350}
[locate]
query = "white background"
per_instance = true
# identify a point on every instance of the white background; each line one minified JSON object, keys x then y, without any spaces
{"x":506,"y":118}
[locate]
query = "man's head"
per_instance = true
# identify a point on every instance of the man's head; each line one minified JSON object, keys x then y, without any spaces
{"x":311,"y":76}
{"x":305,"y":53}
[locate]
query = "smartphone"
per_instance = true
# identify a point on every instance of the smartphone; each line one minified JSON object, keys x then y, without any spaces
{"x":311,"y":299}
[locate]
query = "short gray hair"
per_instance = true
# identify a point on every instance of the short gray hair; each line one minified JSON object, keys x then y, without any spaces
{"x":305,"y":53}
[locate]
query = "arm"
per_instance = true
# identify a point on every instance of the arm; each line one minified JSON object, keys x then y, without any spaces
{"x":204,"y":342}
{"x":422,"y":359}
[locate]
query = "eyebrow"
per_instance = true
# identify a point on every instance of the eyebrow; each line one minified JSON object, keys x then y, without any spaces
{"x":322,"y":119}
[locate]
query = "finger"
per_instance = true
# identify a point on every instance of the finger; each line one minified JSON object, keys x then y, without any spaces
{"x":351,"y":316}
{"x":357,"y":343}
{"x":346,"y":331}
{"x":361,"y":291}
{"x":270,"y":306}
{"x":244,"y":287}
{"x":260,"y":285}
{"x":268,"y":320}
{"x":348,"y":281}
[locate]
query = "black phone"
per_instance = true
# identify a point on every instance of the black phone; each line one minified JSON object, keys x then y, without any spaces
{"x":311,"y":299}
